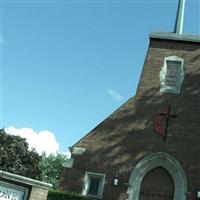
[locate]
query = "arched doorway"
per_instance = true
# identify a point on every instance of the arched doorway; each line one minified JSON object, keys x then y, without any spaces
{"x":162,"y":161}
{"x":157,"y":185}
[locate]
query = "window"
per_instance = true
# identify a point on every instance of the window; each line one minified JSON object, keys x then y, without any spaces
{"x":172,"y":75}
{"x":93,"y":184}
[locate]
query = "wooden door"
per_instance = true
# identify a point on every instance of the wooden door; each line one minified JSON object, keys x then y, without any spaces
{"x":157,"y":185}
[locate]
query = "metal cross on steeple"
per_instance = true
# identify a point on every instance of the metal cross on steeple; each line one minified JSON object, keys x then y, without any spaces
{"x":179,"y":17}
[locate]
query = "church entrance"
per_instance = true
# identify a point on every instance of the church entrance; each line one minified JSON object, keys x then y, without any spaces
{"x":157,"y":185}
{"x":158,"y":176}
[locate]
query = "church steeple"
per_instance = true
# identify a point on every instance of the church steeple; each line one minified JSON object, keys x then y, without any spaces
{"x":178,"y":28}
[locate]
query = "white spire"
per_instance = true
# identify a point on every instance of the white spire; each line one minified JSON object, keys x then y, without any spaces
{"x":179,"y":17}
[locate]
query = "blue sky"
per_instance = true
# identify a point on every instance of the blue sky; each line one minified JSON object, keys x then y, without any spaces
{"x":67,"y":65}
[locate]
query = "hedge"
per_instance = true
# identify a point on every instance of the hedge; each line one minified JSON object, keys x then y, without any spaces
{"x":57,"y":195}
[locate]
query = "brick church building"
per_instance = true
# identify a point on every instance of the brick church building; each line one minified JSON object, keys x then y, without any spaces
{"x":148,"y":149}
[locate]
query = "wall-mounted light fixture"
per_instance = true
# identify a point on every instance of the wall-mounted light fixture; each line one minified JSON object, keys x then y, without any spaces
{"x":115,"y":181}
{"x":198,"y":194}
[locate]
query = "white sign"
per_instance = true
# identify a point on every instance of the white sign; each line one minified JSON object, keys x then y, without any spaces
{"x":7,"y":193}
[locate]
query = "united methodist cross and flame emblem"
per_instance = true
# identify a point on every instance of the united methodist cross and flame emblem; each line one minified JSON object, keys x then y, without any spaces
{"x":162,"y":119}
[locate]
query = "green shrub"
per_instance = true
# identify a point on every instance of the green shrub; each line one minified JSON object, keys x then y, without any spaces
{"x":57,"y":195}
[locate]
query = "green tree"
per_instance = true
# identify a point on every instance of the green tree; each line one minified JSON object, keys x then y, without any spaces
{"x":15,"y":157}
{"x":51,"y":167}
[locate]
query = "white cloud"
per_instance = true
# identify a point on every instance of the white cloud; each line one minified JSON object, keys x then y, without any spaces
{"x":42,"y":141}
{"x":115,"y":95}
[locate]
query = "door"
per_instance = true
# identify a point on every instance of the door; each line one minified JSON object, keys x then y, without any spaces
{"x":157,"y":185}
